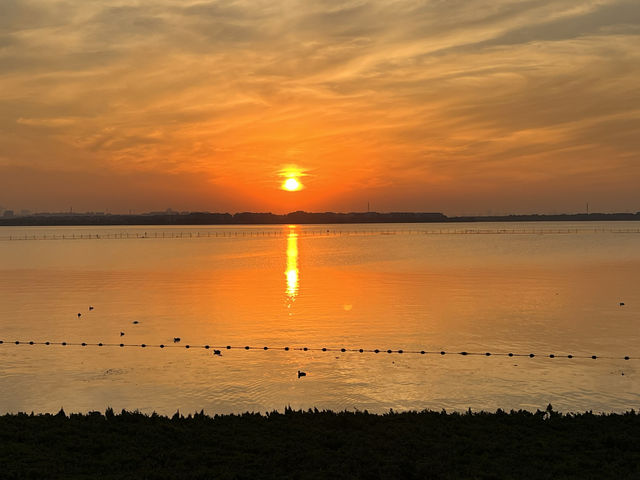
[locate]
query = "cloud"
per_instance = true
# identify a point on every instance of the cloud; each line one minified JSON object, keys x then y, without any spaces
{"x":613,"y":19}
{"x":46,"y":122}
{"x":382,"y":94}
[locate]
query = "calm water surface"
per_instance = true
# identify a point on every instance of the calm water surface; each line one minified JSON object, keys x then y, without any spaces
{"x":369,"y":286}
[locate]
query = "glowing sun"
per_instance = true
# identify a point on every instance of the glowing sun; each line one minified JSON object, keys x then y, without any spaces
{"x":291,"y":185}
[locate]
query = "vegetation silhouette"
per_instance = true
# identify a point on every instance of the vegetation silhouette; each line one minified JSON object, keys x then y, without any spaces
{"x":299,"y":217}
{"x":321,"y":444}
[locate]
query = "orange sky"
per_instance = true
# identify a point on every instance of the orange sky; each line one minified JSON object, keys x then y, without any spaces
{"x":459,"y":106}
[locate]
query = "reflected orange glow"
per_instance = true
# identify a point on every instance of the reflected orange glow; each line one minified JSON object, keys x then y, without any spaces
{"x":292,"y":272}
{"x":432,"y":290}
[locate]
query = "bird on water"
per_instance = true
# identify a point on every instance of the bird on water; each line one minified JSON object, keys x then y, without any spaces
{"x":176,"y":339}
{"x":79,"y":315}
{"x":217,"y":352}
{"x":90,"y":308}
{"x":135,"y":322}
{"x":301,"y":374}
{"x":122,"y":334}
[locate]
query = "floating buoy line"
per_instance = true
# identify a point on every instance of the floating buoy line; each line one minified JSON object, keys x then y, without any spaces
{"x":312,"y":232}
{"x":217,"y":350}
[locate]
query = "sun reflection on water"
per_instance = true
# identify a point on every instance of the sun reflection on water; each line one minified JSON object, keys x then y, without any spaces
{"x":292,"y":272}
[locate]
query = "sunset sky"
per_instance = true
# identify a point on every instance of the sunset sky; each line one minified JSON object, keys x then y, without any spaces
{"x":458,"y":106}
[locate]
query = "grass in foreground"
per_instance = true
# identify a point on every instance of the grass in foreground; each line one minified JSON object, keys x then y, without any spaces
{"x":321,"y":444}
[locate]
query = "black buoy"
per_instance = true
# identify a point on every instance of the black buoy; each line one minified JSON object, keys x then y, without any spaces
{"x":90,"y":308}
{"x":301,"y":374}
{"x":135,"y":322}
{"x":176,"y":339}
{"x":622,"y":304}
{"x":79,"y":315}
{"x":122,"y":334}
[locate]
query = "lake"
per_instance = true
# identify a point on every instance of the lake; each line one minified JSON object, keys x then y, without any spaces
{"x":542,"y":288}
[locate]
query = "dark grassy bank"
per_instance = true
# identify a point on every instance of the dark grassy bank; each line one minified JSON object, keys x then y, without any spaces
{"x":516,"y":445}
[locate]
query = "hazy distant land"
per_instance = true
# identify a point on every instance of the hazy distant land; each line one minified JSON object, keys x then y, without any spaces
{"x":299,"y":217}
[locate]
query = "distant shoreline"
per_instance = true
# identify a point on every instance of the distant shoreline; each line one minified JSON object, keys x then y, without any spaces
{"x":306,"y":218}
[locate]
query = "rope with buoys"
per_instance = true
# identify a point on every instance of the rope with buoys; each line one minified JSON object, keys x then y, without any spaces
{"x":311,"y":232}
{"x":217,"y":350}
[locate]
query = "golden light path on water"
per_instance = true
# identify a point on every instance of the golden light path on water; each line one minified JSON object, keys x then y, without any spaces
{"x":292,"y":272}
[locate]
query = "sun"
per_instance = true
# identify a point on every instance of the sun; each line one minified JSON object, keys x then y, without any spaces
{"x":291,"y":176}
{"x":291,"y":185}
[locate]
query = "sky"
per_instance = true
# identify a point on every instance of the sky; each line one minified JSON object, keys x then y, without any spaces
{"x":456,"y":106}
